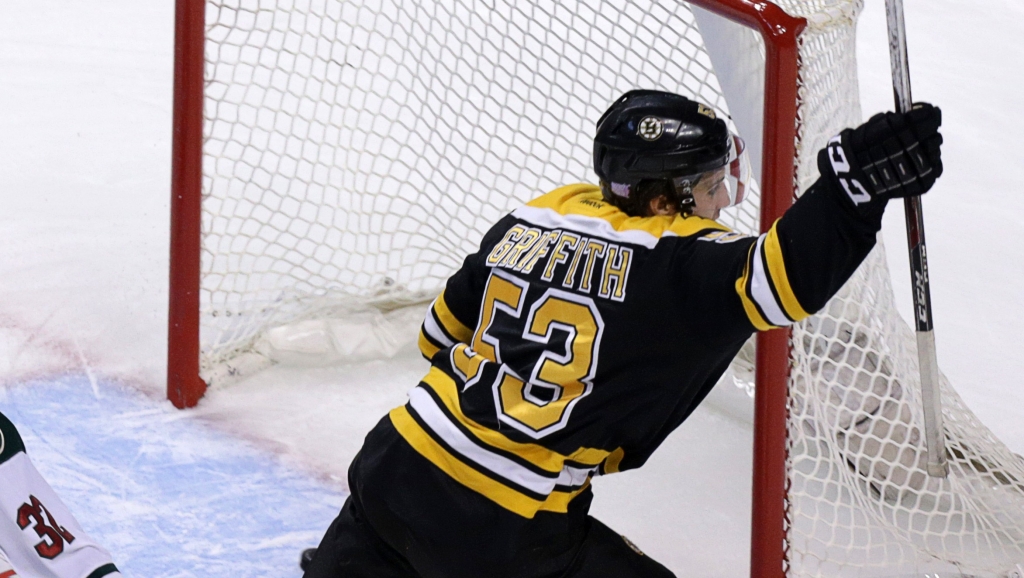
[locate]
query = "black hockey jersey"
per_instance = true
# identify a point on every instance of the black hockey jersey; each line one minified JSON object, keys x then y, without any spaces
{"x":577,"y":338}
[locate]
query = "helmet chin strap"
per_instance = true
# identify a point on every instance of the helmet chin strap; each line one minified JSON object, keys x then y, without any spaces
{"x":683,"y":187}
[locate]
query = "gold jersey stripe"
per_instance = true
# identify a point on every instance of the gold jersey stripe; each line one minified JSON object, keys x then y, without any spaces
{"x":748,"y":305}
{"x":465,"y":364}
{"x":451,"y":324}
{"x":558,"y":501}
{"x":611,"y":465}
{"x":586,"y":200}
{"x":777,"y":269}
{"x":495,"y":491}
{"x":537,"y":455}
{"x":427,"y":347}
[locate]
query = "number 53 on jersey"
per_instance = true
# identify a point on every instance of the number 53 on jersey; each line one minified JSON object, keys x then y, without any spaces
{"x":567,"y":325}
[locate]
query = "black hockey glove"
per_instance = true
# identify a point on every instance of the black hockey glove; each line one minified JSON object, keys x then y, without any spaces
{"x":891,"y":155}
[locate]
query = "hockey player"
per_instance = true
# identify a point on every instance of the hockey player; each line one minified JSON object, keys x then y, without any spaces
{"x":38,"y":534}
{"x":589,"y":325}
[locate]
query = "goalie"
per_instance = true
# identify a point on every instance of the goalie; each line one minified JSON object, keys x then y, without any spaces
{"x":589,"y":325}
{"x":38,"y":535}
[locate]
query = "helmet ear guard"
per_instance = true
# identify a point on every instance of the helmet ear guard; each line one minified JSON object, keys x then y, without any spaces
{"x":649,"y":135}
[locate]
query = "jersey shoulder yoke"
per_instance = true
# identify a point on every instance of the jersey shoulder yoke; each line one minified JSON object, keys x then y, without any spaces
{"x":581,"y":207}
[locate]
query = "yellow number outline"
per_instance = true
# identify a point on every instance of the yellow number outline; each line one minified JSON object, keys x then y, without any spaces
{"x":504,"y":292}
{"x":568,"y":374}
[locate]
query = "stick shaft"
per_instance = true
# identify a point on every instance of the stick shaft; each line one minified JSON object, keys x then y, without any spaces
{"x":929,"y":367}
{"x":898,"y":55}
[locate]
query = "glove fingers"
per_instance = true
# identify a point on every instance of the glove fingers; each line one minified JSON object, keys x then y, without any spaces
{"x":892,"y":154}
{"x":873,"y":131}
{"x":925,"y":118}
{"x":897,"y":122}
{"x":922,"y":154}
{"x":925,"y":109}
{"x":870,"y":133}
{"x":932,"y":148}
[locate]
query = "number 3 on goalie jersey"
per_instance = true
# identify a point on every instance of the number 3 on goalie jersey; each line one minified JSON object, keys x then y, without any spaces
{"x":570,"y":327}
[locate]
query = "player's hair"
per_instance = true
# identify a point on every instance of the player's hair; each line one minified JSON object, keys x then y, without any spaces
{"x":638,"y":203}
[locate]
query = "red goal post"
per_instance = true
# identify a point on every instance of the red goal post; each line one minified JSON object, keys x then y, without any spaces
{"x":184,"y":386}
{"x":780,"y":32}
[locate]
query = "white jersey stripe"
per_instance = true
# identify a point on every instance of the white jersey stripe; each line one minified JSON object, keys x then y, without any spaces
{"x":575,"y":477}
{"x":434,"y":330}
{"x":424,"y":404}
{"x":762,"y":291}
{"x":439,"y":424}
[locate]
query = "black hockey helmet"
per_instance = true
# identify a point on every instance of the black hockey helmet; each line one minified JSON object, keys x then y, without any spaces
{"x":650,"y":135}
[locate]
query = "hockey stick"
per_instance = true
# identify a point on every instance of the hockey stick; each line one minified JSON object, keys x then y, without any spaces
{"x":929,"y":366}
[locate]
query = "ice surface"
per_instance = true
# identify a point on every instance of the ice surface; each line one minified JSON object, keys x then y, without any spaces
{"x":85,"y":129}
{"x":167,"y":494}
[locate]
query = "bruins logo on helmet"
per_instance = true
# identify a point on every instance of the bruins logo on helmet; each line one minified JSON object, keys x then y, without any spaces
{"x":705,"y":110}
{"x":651,"y":128}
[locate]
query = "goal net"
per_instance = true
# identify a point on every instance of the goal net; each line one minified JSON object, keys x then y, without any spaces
{"x":354,"y":152}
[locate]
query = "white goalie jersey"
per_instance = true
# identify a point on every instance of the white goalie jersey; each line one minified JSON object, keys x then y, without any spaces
{"x":6,"y":570}
{"x":39,"y":536}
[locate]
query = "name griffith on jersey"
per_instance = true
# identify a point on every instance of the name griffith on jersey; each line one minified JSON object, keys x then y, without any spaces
{"x":580,"y":262}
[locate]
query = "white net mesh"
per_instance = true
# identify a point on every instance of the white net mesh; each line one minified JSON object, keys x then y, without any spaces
{"x":356,"y":151}
{"x":860,"y":500}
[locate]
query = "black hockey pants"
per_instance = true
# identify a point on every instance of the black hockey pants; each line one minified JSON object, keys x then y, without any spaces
{"x":408,"y":519}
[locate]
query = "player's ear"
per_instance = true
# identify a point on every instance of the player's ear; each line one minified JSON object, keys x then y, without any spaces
{"x":661,"y":205}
